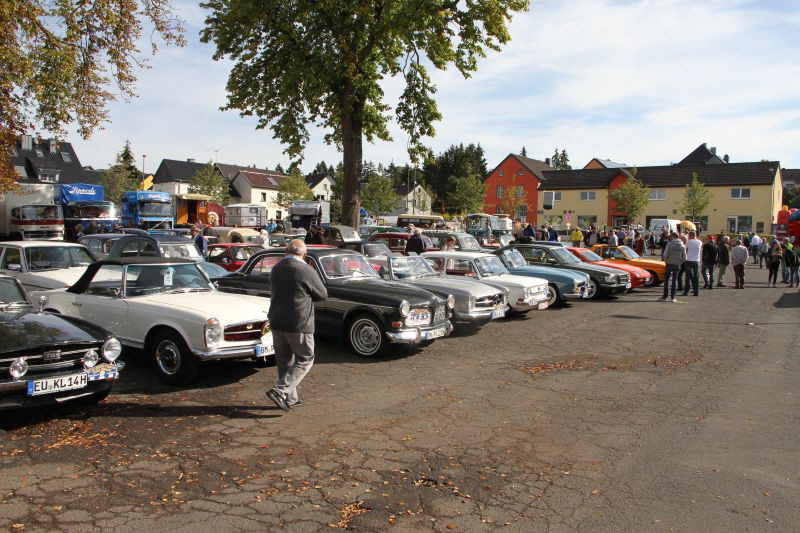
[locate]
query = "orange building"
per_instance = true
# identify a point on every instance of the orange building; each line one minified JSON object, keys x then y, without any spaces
{"x":515,"y":175}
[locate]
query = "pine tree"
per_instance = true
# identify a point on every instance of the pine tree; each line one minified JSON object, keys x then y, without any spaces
{"x":121,"y":177}
{"x":523,"y":152}
{"x":563,"y":160}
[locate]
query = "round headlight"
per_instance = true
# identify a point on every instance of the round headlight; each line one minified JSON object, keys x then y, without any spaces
{"x":451,"y":302}
{"x":213,"y":332}
{"x":90,"y":358}
{"x":405,"y":308}
{"x":112,"y":349}
{"x":18,"y":368}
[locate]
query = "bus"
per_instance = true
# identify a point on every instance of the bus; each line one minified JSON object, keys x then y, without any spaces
{"x":420,"y":221}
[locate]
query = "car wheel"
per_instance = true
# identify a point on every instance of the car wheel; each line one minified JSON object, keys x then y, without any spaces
{"x":174,"y":362}
{"x":552,"y":295}
{"x":366,"y":336}
{"x":653,"y":279}
{"x":591,"y":290}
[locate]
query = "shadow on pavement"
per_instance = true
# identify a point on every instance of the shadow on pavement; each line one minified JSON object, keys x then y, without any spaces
{"x":788,"y":301}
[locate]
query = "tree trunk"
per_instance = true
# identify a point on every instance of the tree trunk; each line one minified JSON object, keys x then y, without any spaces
{"x":352,"y":117}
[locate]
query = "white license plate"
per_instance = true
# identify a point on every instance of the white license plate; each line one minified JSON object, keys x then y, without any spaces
{"x":262,"y":350}
{"x":498,"y":313}
{"x":61,"y":383}
{"x":628,"y":285}
{"x":434,"y":333}
{"x":542,"y":305}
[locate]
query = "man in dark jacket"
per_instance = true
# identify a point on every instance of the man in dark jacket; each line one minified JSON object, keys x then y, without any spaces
{"x":415,"y":242}
{"x":710,"y":255}
{"x":294,"y":285}
{"x":724,"y":260}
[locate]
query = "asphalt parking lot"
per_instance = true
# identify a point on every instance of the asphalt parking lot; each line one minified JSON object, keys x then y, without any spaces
{"x":623,"y":414}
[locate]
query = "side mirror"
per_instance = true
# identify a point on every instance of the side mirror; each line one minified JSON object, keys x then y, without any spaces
{"x":116,"y":292}
{"x":16,"y":267}
{"x":42,"y":302}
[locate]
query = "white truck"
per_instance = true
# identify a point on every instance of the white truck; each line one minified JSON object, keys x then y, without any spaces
{"x":31,"y":212}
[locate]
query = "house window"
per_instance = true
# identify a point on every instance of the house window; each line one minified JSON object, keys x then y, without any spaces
{"x":740,"y":224}
{"x":324,"y":186}
{"x":499,"y":191}
{"x":520,"y":192}
{"x":740,"y":193}
{"x":658,"y":194}
{"x":48,"y":176}
{"x":263,"y":197}
{"x":521,"y":212}
{"x":65,"y":156}
{"x":759,"y":227}
{"x":519,"y":172}
{"x":585,"y":221}
{"x":557,"y":196}
{"x":588,"y":196}
{"x":501,"y":172}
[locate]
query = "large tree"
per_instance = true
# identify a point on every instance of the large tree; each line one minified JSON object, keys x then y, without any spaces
{"x":631,"y":197}
{"x":322,"y":62}
{"x":458,"y":160}
{"x":468,"y":193}
{"x":63,"y":61}
{"x":208,"y":180}
{"x":696,"y":199}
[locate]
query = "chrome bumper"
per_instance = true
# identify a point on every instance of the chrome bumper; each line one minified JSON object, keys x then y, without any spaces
{"x":481,"y":315}
{"x":414,"y":335}
{"x":22,"y":383}
{"x":236,"y":352}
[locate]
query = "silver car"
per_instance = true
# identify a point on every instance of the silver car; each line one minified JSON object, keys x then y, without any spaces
{"x":475,"y":303}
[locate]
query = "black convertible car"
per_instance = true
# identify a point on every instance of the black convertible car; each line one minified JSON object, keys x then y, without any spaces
{"x":47,"y":358}
{"x":370,"y":312}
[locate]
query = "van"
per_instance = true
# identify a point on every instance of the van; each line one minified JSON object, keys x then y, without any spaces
{"x":657,"y":224}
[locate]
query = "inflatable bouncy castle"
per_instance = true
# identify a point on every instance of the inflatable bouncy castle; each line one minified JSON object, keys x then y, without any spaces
{"x":789,"y":223}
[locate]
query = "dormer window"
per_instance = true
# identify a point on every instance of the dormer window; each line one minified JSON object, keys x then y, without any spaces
{"x":49,"y":176}
{"x":65,"y":156}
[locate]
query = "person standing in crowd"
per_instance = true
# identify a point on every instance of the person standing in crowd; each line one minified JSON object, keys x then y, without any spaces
{"x":200,"y":241}
{"x":529,"y":232}
{"x":612,"y":239}
{"x":693,"y":254}
{"x":518,"y":227}
{"x":593,"y":238}
{"x":576,"y":237}
{"x":294,"y":286}
{"x":763,"y":252}
{"x":739,"y":255}
{"x":552,"y":234}
{"x":92,"y":229}
{"x":699,"y":229}
{"x":787,"y":246}
{"x":724,"y":260}
{"x":774,"y":258}
{"x":674,"y":256}
{"x":449,"y":244}
{"x":259,"y":239}
{"x":755,"y":242}
{"x":710,"y":255}
{"x":415,"y":242}
{"x":639,"y":244}
{"x":791,"y":261}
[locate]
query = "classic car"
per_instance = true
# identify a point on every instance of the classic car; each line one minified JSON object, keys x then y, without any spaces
{"x":168,"y":308}
{"x":47,"y":358}
{"x":231,"y":256}
{"x":639,"y":276}
{"x":42,"y":265}
{"x":475,"y":303}
{"x":525,"y":293}
{"x":234,"y":235}
{"x":603,"y":280}
{"x":396,"y":242}
{"x":339,"y":235}
{"x":100,"y":243}
{"x":213,"y":271}
{"x":625,"y":255}
{"x":364,"y":231}
{"x":155,"y":246}
{"x":464,"y":241}
{"x":371,"y":313}
{"x":563,"y":284}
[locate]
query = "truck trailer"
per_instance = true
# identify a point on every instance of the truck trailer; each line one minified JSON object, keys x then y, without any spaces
{"x":31,"y":212}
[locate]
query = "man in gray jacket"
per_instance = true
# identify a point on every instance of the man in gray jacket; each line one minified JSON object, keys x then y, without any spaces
{"x":294,"y":286}
{"x":674,"y":257}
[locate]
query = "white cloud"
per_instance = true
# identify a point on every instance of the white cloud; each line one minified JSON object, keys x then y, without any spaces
{"x":637,"y":81}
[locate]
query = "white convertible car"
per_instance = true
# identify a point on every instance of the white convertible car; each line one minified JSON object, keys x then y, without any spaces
{"x":169,"y":308}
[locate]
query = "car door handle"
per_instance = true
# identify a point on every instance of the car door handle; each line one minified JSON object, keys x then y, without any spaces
{"x":76,"y":304}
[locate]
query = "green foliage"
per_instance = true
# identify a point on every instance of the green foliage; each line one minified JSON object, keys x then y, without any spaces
{"x":468,"y":193}
{"x":696,"y":198}
{"x":791,"y":197}
{"x":322,"y":63}
{"x":560,"y":160}
{"x":631,"y":198}
{"x":523,"y":152}
{"x":63,"y":61}
{"x":455,"y":161}
{"x":378,"y":196}
{"x":121,"y":177}
{"x":292,"y":189}
{"x":514,"y":198}
{"x":208,"y":181}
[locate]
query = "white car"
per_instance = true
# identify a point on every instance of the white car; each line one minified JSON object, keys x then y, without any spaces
{"x":170,"y":309}
{"x":43,"y":265}
{"x":525,"y":292}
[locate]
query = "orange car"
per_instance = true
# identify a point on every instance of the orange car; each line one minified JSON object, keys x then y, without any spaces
{"x":623,"y":254}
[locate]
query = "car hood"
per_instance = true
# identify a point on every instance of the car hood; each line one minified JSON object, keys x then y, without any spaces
{"x":55,"y":279}
{"x":27,"y":329}
{"x":453,"y":286}
{"x":228,"y":308}
{"x":593,"y":267}
{"x":631,"y":269}
{"x":510,"y":280}
{"x":379,"y":291}
{"x":550,"y":274}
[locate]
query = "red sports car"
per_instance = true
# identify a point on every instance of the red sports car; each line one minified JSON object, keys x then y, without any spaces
{"x":231,"y":256}
{"x":639,"y":276}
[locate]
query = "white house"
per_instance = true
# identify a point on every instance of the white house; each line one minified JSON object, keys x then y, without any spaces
{"x":259,"y":187}
{"x":321,"y":185}
{"x":415,"y":200}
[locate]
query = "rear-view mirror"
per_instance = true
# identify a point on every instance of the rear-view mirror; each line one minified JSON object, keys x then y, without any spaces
{"x":16,"y":267}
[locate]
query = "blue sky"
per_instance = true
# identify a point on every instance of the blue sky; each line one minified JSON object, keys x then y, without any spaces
{"x":639,"y":82}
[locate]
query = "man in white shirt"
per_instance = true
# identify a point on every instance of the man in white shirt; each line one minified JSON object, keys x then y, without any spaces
{"x":755,"y":241}
{"x":693,"y":251}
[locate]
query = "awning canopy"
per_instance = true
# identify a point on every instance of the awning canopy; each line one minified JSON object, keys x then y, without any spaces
{"x":194,"y":196}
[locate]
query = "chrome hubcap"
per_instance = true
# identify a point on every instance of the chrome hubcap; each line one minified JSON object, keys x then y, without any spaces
{"x":365,"y":336}
{"x":168,"y":356}
{"x":592,"y":289}
{"x":551,"y":296}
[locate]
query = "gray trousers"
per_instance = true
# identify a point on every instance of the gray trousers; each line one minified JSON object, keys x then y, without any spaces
{"x":721,"y":276}
{"x":294,"y":356}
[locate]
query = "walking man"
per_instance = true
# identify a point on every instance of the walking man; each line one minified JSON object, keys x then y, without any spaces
{"x":674,"y":257}
{"x":693,"y":251}
{"x":724,"y":260}
{"x":739,"y":255}
{"x":200,"y":241}
{"x":294,"y":285}
{"x":710,"y":255}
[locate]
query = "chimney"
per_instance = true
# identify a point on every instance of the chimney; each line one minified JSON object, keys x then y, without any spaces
{"x":726,"y":158}
{"x":713,"y":150}
{"x":547,"y":161}
{"x":190,"y":160}
{"x":27,"y":142}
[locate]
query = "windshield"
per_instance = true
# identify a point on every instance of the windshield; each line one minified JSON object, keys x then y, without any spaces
{"x":629,"y":253}
{"x":38,"y":212}
{"x":55,"y":257}
{"x":410,"y":267}
{"x":514,"y":258}
{"x":490,"y":266}
{"x":10,"y":292}
{"x":182,"y":250}
{"x":590,"y":256}
{"x":143,"y":280}
{"x":376,"y":249}
{"x":349,"y":234}
{"x":469,"y":243}
{"x":564,"y":256}
{"x":347,"y":266}
{"x":98,"y":211}
{"x":243,"y":253}
{"x":157,"y":209}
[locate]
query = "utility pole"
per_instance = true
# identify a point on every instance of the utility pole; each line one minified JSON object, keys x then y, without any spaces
{"x":143,"y":174}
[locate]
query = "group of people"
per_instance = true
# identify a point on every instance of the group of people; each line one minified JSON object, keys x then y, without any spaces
{"x":525,"y":232}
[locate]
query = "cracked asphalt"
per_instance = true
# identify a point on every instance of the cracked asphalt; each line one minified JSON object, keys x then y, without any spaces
{"x":613,"y":415}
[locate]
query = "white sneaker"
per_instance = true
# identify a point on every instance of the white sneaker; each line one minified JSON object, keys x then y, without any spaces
{"x":674,"y":300}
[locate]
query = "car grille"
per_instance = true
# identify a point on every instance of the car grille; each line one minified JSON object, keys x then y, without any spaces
{"x":439,"y":314}
{"x":249,"y":331}
{"x":624,"y":277}
{"x":489,"y":302}
{"x":47,"y":358}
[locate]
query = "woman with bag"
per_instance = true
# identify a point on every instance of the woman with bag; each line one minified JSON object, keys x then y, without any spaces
{"x":774,"y":258}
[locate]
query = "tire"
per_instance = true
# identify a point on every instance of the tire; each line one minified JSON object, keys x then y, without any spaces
{"x":591,"y":289}
{"x":653,"y":279}
{"x":552,"y":296}
{"x":174,"y":362}
{"x":366,"y":336}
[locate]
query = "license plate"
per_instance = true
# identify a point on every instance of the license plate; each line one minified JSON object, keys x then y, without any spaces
{"x":542,"y":305}
{"x":433,"y":334}
{"x":498,"y":313}
{"x":61,"y":383}
{"x":262,"y":350}
{"x":628,"y":285}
